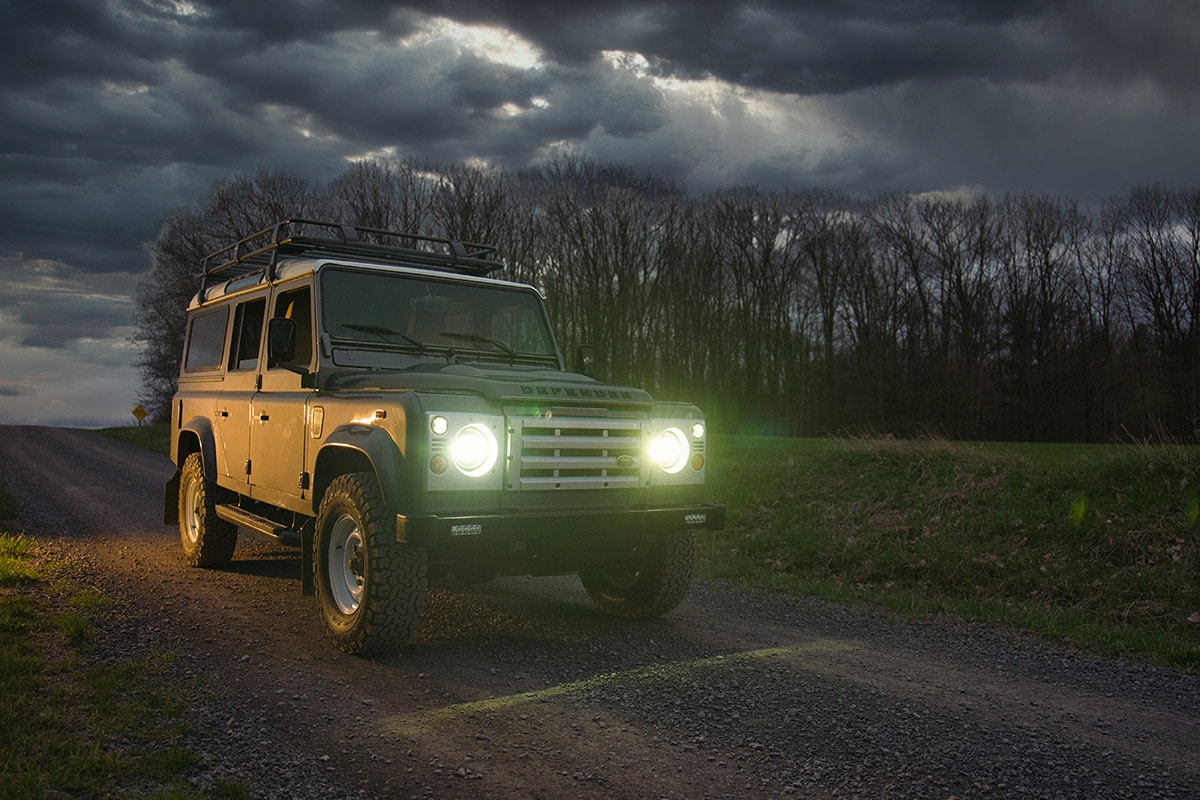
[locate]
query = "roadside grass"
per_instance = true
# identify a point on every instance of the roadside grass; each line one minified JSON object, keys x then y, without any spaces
{"x":155,"y":438}
{"x":72,"y":723}
{"x":1097,"y":547}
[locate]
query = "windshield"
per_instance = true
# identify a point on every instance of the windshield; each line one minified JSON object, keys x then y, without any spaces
{"x":417,"y":313}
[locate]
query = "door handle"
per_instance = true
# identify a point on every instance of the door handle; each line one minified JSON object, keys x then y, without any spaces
{"x":263,"y":417}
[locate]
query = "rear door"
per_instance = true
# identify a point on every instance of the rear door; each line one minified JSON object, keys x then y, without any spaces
{"x":232,"y":419}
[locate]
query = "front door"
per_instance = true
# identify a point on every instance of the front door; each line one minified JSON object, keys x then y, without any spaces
{"x":279,"y":424}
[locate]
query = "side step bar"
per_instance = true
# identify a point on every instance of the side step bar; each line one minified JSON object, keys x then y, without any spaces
{"x":267,"y":527}
{"x":302,"y":538}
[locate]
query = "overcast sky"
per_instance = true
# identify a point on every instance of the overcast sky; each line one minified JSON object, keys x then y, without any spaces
{"x":117,"y":110}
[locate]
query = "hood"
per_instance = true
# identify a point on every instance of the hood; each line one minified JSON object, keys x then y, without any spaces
{"x":500,"y":383}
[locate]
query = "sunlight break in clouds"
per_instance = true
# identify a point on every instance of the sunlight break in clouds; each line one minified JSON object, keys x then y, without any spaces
{"x":716,"y":130}
{"x":495,"y":44}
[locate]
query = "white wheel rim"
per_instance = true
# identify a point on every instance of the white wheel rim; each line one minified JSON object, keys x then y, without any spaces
{"x":345,"y":558}
{"x":191,"y":512}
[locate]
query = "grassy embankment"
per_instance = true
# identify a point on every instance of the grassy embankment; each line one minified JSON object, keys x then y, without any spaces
{"x":1095,"y":546}
{"x":72,"y":723}
{"x":156,"y":438}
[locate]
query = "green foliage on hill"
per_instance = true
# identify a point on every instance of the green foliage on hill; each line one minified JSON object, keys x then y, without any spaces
{"x":1092,"y":545}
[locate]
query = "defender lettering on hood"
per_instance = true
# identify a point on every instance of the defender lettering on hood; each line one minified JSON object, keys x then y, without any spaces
{"x":580,"y":392}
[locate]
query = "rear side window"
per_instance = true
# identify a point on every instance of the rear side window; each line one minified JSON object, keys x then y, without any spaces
{"x":206,"y":340}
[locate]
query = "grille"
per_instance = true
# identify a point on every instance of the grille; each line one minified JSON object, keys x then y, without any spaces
{"x":574,"y":453}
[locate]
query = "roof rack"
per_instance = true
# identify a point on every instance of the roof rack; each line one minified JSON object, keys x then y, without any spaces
{"x":261,"y":251}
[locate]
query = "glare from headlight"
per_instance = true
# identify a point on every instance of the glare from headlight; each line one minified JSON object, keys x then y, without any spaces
{"x":474,"y":450}
{"x":669,"y":450}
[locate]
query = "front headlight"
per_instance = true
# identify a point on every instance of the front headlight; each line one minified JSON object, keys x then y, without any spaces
{"x":675,"y":447}
{"x":670,"y":450}
{"x":474,"y":450}
{"x":464,"y":451}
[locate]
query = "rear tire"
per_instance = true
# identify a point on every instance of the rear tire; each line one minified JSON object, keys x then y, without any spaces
{"x":370,"y":587}
{"x":642,"y":582}
{"x":207,"y":540}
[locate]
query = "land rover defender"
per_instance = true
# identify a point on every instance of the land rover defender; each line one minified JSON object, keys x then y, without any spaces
{"x":377,"y":400}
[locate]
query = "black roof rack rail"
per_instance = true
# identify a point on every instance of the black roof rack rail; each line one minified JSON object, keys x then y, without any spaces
{"x":261,"y":251}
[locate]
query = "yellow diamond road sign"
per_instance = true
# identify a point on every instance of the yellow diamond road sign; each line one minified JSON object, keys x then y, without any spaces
{"x":140,"y":413}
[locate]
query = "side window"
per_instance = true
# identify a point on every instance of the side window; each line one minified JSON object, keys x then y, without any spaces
{"x":247,"y":334}
{"x":206,"y":340}
{"x":297,"y":305}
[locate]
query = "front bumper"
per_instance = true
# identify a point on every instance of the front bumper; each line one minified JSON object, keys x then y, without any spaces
{"x":432,"y":530}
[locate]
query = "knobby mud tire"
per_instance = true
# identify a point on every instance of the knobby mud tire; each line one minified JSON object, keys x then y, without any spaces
{"x":207,"y":540}
{"x":370,"y":588}
{"x":643,"y":584}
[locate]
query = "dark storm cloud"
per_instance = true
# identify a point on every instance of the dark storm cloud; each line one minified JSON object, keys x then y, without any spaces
{"x":934,"y":92}
{"x":118,"y":111}
{"x":802,"y":47}
{"x":58,"y":306}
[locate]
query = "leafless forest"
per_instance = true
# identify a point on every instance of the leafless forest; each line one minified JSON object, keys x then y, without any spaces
{"x":1022,"y":317}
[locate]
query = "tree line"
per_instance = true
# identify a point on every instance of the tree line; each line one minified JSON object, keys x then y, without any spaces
{"x":1021,"y":317}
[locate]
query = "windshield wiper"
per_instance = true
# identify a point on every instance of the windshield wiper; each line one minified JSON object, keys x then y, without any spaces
{"x":380,"y":331}
{"x":475,"y":338}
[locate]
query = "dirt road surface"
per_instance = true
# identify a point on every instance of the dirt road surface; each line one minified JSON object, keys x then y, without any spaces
{"x":519,"y":689}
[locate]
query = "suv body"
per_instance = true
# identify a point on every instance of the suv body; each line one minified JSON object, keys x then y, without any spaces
{"x":377,"y":400}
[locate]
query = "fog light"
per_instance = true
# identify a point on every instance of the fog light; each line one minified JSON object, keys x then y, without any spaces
{"x":437,"y":465}
{"x":698,"y":462}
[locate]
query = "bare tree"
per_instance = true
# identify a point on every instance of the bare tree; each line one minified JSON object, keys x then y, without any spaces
{"x":232,"y":210}
{"x":386,"y":195}
{"x":603,"y":227}
{"x":755,"y":237}
{"x":876,"y":393}
{"x":1035,"y":297}
{"x":1163,"y":226}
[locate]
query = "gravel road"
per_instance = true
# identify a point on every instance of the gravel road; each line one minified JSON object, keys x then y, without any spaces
{"x":519,"y":689}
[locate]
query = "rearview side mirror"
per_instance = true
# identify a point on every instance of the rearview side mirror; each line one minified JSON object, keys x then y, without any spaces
{"x":585,"y":360}
{"x":281,"y":341}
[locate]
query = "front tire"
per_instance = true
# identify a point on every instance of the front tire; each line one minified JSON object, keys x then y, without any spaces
{"x":642,"y":582}
{"x":370,"y":587}
{"x":207,"y":540}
